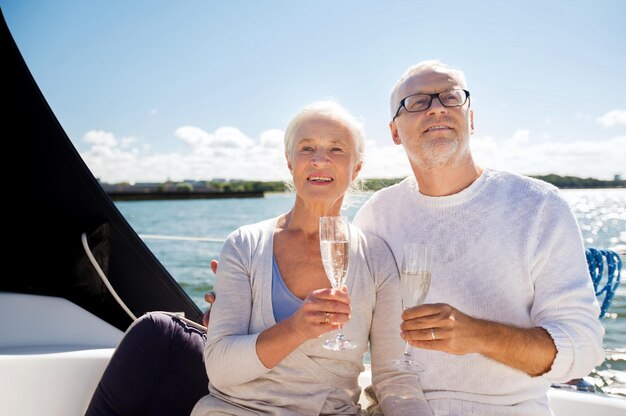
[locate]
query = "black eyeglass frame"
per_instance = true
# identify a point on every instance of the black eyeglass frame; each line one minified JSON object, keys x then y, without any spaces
{"x":432,"y":97}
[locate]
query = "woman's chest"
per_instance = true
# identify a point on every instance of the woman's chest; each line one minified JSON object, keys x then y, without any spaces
{"x":301,"y":268}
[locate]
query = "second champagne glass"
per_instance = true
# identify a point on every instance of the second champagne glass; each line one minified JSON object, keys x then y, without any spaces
{"x":415,"y":274}
{"x":335,"y":249}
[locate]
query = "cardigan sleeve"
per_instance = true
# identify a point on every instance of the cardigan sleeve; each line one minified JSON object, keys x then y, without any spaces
{"x":565,"y":303}
{"x":230,"y":353}
{"x":398,"y":392}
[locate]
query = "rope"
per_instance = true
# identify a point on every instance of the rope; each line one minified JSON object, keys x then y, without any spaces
{"x":595,"y":260}
{"x":100,"y":272}
{"x":105,"y":280}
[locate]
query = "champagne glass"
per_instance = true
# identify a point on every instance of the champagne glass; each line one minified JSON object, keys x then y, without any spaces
{"x":335,"y":249}
{"x":414,"y":284}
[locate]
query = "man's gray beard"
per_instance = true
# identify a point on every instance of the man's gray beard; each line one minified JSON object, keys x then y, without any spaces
{"x":432,"y":155}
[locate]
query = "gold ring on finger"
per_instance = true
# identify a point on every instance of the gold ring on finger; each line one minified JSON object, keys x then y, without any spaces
{"x":327,"y":318}
{"x":432,"y":333}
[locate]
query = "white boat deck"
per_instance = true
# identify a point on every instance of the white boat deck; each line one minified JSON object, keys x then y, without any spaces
{"x":52,"y":355}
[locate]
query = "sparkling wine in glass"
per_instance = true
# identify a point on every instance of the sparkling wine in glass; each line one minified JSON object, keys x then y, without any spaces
{"x":335,"y":249}
{"x":415,"y":274}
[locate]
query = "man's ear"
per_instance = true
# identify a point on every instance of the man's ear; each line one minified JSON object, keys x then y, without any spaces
{"x":394,"y":132}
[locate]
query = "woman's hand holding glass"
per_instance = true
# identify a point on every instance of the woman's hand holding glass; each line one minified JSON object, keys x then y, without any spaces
{"x":322,"y":311}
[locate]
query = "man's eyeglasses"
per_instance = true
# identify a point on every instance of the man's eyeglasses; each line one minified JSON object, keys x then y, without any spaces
{"x":422,"y":102}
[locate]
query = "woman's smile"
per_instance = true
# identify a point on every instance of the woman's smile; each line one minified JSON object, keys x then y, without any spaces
{"x":319,"y":179}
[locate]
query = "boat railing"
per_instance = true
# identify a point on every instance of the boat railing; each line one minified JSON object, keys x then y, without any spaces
{"x":181,"y":238}
{"x":604,"y":266}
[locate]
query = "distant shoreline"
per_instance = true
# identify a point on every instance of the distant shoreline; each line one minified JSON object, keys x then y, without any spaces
{"x":219,"y":189}
{"x":155,"y":196}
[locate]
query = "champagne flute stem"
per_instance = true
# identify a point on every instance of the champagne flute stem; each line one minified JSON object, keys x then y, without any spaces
{"x":340,"y":336}
{"x":407,"y":347}
{"x":408,"y":356}
{"x":407,"y":350}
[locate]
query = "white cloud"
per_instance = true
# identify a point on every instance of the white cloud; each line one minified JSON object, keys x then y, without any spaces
{"x":613,"y":118}
{"x":524,"y":154}
{"x":231,"y":137}
{"x":227,"y":137}
{"x":225,"y":153}
{"x":273,"y":138}
{"x":193,"y":136}
{"x":228,"y":153}
{"x":126,"y":142}
{"x":100,"y":138}
{"x":384,"y":161}
{"x":520,"y":137}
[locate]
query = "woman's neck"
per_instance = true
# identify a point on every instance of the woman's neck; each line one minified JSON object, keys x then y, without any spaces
{"x":305,"y":216}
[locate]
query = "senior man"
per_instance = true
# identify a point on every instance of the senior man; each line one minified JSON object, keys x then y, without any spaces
{"x":511,"y":307}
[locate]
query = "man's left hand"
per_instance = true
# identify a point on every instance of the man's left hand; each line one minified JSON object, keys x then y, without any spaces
{"x":441,"y":327}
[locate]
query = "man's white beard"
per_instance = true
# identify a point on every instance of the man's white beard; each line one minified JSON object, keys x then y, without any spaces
{"x":437,"y":154}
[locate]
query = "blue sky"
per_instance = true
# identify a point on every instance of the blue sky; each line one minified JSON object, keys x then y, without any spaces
{"x":151,"y":90}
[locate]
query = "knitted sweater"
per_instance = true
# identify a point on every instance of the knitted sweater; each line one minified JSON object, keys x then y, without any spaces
{"x":506,"y":249}
{"x":311,"y":380}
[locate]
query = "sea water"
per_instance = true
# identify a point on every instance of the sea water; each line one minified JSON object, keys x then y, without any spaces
{"x":185,"y":235}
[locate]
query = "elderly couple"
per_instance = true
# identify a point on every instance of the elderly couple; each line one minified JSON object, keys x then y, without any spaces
{"x":510,"y":310}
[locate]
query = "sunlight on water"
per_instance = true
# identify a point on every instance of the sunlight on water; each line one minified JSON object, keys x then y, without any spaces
{"x":601,"y":215}
{"x":198,"y":227}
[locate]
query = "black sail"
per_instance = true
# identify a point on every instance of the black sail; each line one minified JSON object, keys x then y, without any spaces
{"x":51,"y":198}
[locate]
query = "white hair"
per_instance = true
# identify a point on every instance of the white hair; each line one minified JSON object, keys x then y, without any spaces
{"x":424,"y":66}
{"x":334,"y":111}
{"x":331,"y":110}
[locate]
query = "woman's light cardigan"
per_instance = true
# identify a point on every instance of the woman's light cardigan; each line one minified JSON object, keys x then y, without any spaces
{"x":311,"y":380}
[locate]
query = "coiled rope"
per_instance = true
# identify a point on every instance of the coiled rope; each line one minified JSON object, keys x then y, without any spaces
{"x":605,"y":288}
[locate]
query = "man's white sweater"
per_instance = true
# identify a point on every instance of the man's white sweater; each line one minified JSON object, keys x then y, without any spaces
{"x":506,"y":249}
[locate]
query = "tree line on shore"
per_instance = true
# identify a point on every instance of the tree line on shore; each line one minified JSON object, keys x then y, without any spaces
{"x":569,"y":182}
{"x":223,"y":186}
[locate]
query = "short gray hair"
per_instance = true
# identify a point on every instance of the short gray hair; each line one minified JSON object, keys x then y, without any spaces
{"x":424,"y":66}
{"x":331,"y":110}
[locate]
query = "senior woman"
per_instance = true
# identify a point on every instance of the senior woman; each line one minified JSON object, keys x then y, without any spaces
{"x":264,"y":352}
